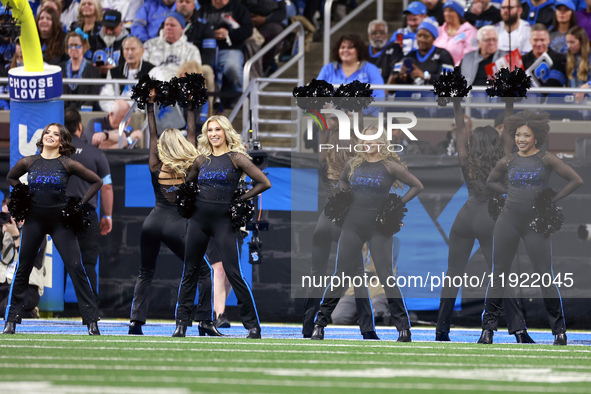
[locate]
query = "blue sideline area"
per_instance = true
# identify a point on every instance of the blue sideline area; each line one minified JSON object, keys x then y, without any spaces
{"x":71,"y":327}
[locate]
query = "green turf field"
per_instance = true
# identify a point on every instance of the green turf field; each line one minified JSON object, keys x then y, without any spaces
{"x":123,"y":364}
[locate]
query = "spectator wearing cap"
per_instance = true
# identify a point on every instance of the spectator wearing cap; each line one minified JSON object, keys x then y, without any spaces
{"x":538,"y":11}
{"x":584,"y":18}
{"x":133,"y":67}
{"x":540,"y":41}
{"x":127,"y":8}
{"x":513,"y":26}
{"x":564,"y":19}
{"x":427,"y":62}
{"x":456,"y":35}
{"x":482,"y":13}
{"x":90,"y":15}
{"x":171,"y":49}
{"x":405,"y":37}
{"x":106,"y":46}
{"x":435,"y":10}
{"x":474,"y":64}
{"x":381,"y":52}
{"x":232,"y":24}
{"x":149,"y":18}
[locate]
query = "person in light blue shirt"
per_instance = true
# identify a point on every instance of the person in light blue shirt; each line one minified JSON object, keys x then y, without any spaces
{"x":350,"y":64}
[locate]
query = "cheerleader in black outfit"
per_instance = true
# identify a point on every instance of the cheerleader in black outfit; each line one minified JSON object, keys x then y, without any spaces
{"x":221,"y":163}
{"x":478,"y":154}
{"x":369,"y":175}
{"x":325,"y":233}
{"x":48,"y":175}
{"x":170,"y":158}
{"x":528,"y":171}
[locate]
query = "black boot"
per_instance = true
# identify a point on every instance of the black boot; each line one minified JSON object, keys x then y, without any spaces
{"x":9,"y":327}
{"x":404,"y":336}
{"x":254,"y":333}
{"x":135,"y":328}
{"x":207,"y":327}
{"x":523,"y":337}
{"x":441,"y":336}
{"x":222,"y":321}
{"x":370,"y":335}
{"x":318,"y":332}
{"x":486,"y":337}
{"x":560,"y":339}
{"x":180,"y":331}
{"x":93,"y":329}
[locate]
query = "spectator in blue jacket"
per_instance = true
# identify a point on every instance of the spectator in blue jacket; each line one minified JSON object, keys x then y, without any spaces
{"x":150,"y":17}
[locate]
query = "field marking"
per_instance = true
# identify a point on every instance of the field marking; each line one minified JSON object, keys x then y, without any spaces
{"x":200,"y":360}
{"x":218,"y":350}
{"x":48,"y":388}
{"x":524,"y":375}
{"x":325,"y":384}
{"x":316,"y":344}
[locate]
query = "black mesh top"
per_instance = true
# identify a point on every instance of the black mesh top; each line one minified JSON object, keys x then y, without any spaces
{"x":370,"y":183}
{"x":48,"y":179}
{"x":165,"y":194}
{"x":528,"y":176}
{"x":218,"y":176}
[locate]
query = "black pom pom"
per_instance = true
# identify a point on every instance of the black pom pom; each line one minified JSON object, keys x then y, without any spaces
{"x":549,"y":218}
{"x":317,"y":93}
{"x":242,"y":211}
{"x":20,"y":202}
{"x":495,"y":206}
{"x":451,"y":84}
{"x":186,"y":196}
{"x":165,"y":94}
{"x":76,"y":215}
{"x":337,"y":206}
{"x":189,"y":90}
{"x":389,"y":219}
{"x":354,"y":96}
{"x":141,"y":91}
{"x":509,"y":84}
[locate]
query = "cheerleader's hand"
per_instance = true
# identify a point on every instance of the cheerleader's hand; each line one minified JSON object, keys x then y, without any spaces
{"x":152,"y":96}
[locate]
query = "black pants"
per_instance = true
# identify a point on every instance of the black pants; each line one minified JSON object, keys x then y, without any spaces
{"x":360,"y":227}
{"x":42,"y":221}
{"x":325,"y":234}
{"x":212,"y":221}
{"x":165,"y":225}
{"x":89,"y":249}
{"x":473,"y":222}
{"x":512,"y":225}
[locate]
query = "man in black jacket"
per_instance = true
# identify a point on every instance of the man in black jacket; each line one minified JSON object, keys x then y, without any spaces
{"x":540,"y":40}
{"x":232,"y":26}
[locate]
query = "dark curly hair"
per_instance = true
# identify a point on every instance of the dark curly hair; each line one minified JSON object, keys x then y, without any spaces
{"x":66,"y":148}
{"x":484,"y":150}
{"x":538,"y":122}
{"x":358,"y":43}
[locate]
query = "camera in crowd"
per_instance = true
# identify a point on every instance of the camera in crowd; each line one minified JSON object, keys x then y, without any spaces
{"x":5,"y":218}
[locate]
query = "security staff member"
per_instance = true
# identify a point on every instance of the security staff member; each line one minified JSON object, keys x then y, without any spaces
{"x":95,"y":160}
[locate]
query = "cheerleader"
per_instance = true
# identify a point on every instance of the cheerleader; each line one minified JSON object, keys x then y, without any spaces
{"x":48,"y":175}
{"x":528,"y":171}
{"x":170,"y":158}
{"x":221,"y":163}
{"x":477,"y":153}
{"x":369,"y":175}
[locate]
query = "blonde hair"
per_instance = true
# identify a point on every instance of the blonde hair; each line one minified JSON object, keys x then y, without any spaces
{"x":175,"y":152}
{"x":189,"y":67}
{"x":98,"y":13}
{"x":385,"y":154}
{"x":233,"y":139}
{"x":571,"y":62}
